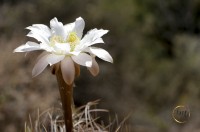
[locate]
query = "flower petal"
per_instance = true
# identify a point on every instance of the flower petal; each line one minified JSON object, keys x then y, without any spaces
{"x":29,"y":46}
{"x":42,"y":29}
{"x":69,"y":27}
{"x":101,"y":53}
{"x":62,"y":48}
{"x":40,"y":32}
{"x":79,"y":26}
{"x":68,"y":70}
{"x":57,"y":27}
{"x":98,"y":40}
{"x":53,"y":58}
{"x":83,"y":59}
{"x":40,"y":65}
{"x":41,"y":55}
{"x":93,"y":37}
{"x":94,"y":70}
{"x":38,"y":37}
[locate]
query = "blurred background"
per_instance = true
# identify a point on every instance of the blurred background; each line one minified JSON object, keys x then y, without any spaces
{"x":155,"y":45}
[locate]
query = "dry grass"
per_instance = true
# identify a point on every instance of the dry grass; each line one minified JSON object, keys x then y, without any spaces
{"x":85,"y":119}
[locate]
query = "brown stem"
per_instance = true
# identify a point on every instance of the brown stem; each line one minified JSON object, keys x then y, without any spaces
{"x":66,"y":93}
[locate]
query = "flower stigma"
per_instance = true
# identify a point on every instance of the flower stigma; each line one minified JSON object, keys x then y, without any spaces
{"x":73,"y":40}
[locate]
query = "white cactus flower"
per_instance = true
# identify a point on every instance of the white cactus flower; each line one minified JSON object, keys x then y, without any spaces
{"x":65,"y":44}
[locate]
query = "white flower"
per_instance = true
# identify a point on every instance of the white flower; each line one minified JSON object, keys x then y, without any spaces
{"x":65,"y":44}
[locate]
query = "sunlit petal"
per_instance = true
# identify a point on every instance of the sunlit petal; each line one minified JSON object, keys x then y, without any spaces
{"x":29,"y":46}
{"x":79,"y":26}
{"x":38,"y":37}
{"x":101,"y":53}
{"x":40,"y":32}
{"x":93,"y":37}
{"x":57,"y":27}
{"x":83,"y":59}
{"x":98,"y":40}
{"x":40,"y":29}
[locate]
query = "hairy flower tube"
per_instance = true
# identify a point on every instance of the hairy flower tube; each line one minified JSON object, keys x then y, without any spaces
{"x":65,"y":44}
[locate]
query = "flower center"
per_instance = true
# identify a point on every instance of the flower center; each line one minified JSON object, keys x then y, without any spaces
{"x":55,"y":39}
{"x":72,"y":39}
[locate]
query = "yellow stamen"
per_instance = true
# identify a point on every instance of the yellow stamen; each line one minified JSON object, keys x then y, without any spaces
{"x":72,"y":39}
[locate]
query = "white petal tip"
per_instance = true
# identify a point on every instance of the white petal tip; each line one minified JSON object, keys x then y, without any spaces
{"x":79,"y":18}
{"x":15,"y":50}
{"x":55,"y":18}
{"x":88,"y":63}
{"x":19,"y":49}
{"x":108,"y":59}
{"x":101,"y":53}
{"x":34,"y":74}
{"x":106,"y":31}
{"x":111,"y":61}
